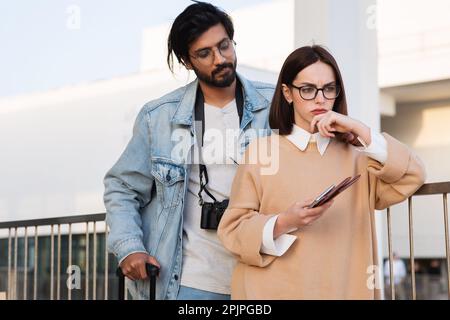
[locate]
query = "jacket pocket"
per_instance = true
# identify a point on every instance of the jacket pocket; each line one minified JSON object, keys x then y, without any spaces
{"x":169,"y":177}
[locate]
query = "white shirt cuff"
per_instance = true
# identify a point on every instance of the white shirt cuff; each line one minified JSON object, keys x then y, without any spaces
{"x":377,"y":149}
{"x":278,"y":246}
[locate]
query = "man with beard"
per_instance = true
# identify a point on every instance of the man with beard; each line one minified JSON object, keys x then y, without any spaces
{"x":163,"y":205}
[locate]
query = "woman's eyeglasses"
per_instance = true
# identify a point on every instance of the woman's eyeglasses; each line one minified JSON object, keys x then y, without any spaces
{"x":309,"y":92}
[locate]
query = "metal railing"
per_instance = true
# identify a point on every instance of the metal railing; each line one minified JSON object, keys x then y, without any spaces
{"x":441,"y":188}
{"x":31,"y":230}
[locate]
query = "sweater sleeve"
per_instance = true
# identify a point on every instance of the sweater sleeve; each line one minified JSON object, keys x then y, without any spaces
{"x":401,"y":175}
{"x":241,"y":227}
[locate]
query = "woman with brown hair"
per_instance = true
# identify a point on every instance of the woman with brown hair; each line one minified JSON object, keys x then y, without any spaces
{"x":286,"y":250}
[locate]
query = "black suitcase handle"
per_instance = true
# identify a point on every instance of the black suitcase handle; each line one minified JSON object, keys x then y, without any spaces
{"x":152,"y":273}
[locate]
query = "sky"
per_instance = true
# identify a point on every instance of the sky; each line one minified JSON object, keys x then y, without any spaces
{"x":48,"y":44}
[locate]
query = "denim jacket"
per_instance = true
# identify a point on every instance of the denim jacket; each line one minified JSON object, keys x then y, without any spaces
{"x":146,"y":188}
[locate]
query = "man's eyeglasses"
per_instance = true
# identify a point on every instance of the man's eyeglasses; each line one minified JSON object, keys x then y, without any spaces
{"x":309,"y":92}
{"x":206,"y":56}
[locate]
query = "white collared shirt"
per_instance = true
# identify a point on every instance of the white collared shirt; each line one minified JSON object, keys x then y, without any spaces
{"x":301,"y":138}
{"x":377,"y":150}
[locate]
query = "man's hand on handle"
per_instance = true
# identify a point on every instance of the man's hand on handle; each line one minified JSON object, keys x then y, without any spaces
{"x":133,"y":267}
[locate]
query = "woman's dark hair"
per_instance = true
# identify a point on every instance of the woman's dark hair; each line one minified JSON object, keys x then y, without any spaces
{"x":281,"y":114}
{"x":190,"y":25}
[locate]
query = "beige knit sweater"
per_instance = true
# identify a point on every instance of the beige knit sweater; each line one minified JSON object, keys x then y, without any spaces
{"x":334,"y":257}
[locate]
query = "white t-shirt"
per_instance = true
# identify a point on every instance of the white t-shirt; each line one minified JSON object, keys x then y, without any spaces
{"x":207,"y":265}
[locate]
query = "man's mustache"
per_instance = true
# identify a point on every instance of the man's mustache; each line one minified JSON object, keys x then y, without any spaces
{"x":220,"y":67}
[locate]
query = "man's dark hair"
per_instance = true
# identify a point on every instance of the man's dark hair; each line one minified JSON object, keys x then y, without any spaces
{"x":190,"y":25}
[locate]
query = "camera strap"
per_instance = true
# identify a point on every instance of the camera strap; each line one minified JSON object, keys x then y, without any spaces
{"x":200,"y":116}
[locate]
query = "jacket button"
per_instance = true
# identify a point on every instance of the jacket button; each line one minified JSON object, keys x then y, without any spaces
{"x":175,"y":277}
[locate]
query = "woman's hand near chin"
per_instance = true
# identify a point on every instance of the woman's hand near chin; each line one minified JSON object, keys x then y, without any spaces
{"x":331,"y":123}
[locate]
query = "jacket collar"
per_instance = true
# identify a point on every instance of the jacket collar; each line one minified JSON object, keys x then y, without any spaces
{"x":253,"y":101}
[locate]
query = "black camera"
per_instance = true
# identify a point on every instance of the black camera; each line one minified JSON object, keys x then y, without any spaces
{"x":212,"y":213}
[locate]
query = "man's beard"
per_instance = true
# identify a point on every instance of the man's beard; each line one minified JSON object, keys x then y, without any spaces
{"x":222,"y":82}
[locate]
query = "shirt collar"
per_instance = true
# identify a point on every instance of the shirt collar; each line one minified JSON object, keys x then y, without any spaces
{"x":254,"y":100}
{"x":300,"y":138}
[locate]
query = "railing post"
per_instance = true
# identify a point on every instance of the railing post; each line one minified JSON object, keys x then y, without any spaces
{"x":447,"y":249}
{"x":106,"y":262}
{"x":58,"y":268}
{"x":411,"y":249}
{"x":86,"y":297}
{"x":25,"y":265}
{"x":36,"y":246}
{"x":15,"y":264}
{"x":94,"y":267}
{"x":52,"y":261}
{"x":9,"y":263}
{"x":69,"y":288}
{"x":391,"y":262}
